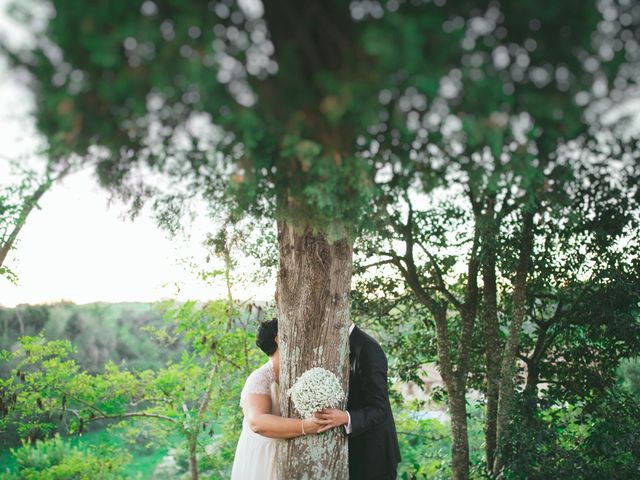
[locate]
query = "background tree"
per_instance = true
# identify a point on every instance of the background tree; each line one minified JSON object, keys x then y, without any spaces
{"x":500,"y":115}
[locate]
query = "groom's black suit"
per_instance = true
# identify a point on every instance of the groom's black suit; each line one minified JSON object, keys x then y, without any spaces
{"x":373,"y":441}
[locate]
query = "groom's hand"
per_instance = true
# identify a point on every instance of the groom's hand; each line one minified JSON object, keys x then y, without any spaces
{"x":331,"y":418}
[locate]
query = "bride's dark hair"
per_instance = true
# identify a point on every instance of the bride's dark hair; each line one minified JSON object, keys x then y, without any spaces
{"x":266,"y":337}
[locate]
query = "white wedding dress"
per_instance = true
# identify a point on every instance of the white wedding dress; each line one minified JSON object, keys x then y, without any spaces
{"x":255,"y":457}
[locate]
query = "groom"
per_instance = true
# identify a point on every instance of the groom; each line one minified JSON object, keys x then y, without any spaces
{"x":368,"y":421}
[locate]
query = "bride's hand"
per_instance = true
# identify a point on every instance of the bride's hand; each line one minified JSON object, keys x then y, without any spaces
{"x":311,"y":425}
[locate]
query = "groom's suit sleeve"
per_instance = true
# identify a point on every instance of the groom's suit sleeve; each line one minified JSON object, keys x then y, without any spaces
{"x":373,"y":375}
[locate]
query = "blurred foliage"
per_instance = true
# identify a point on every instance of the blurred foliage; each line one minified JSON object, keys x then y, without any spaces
{"x":582,"y":293}
{"x":101,"y":332}
{"x":592,"y":439}
{"x":629,"y":375}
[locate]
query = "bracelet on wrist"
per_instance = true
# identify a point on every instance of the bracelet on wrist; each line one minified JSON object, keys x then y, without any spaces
{"x":302,"y":426}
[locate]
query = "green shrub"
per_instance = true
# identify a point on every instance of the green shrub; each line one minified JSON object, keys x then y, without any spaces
{"x":56,"y":459}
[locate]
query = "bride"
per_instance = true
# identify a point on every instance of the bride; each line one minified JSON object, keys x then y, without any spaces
{"x":263,"y":427}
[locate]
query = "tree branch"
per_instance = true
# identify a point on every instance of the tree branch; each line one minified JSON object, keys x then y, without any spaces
{"x":132,"y":414}
{"x":377,"y":264}
{"x":442,"y":286}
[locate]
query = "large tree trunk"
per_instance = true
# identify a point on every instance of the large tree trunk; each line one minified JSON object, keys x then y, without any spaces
{"x":312,"y":297}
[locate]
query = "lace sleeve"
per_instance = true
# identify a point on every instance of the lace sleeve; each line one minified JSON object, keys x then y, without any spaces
{"x":257,"y":382}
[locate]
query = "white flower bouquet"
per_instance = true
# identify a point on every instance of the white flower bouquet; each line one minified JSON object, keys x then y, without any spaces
{"x":314,"y":390}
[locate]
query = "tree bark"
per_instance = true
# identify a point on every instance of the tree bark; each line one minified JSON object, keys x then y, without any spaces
{"x":530,"y":392}
{"x":508,"y":367}
{"x":491,"y":330}
{"x":312,"y":297}
{"x":457,"y":402}
{"x":193,"y":460}
{"x":454,"y":380}
{"x":492,"y":354}
{"x":454,"y":384}
{"x":459,"y":435}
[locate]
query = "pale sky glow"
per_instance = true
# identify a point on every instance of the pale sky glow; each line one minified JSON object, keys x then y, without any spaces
{"x":78,"y":248}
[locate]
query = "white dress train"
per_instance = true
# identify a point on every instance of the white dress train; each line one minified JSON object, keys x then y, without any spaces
{"x":255,"y":455}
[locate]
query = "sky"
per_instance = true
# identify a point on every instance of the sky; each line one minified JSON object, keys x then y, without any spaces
{"x":78,"y":248}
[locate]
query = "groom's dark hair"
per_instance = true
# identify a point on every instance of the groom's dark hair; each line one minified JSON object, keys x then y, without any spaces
{"x":266,"y":338}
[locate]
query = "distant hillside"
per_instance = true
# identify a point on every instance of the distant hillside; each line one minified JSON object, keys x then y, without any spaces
{"x":100,"y":331}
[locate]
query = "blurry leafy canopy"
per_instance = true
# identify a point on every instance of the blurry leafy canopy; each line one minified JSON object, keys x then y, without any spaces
{"x":289,"y":108}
